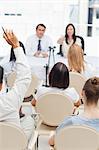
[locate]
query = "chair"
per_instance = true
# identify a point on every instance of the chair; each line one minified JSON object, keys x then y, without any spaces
{"x":53,"y":108}
{"x":82,"y":41}
{"x":31,"y":90}
{"x":13,"y":138}
{"x":82,"y":45}
{"x":77,"y":137}
{"x":77,"y":81}
{"x":60,"y":51}
{"x":10,"y":79}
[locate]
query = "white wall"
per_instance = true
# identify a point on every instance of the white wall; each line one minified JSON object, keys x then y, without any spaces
{"x":53,"y":13}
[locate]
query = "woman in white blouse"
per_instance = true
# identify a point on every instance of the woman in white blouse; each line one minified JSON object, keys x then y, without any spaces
{"x":69,"y":39}
{"x":58,"y":83}
{"x":76,"y":62}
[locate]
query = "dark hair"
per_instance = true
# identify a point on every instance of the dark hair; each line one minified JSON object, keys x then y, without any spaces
{"x":12,"y":55}
{"x":91,"y":89}
{"x":59,"y":76}
{"x":40,"y":25}
{"x":1,"y":74}
{"x":66,"y":35}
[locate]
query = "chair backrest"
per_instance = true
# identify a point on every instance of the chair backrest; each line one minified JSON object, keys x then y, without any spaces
{"x":82,"y":45}
{"x":54,"y":107}
{"x":82,"y":41}
{"x":33,"y":85}
{"x":60,"y":50}
{"x":77,"y":137}
{"x":11,"y":78}
{"x":77,"y":81}
{"x":12,"y":137}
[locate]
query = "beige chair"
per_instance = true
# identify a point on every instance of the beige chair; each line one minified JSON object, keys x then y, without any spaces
{"x":77,"y":137}
{"x":33,"y":85}
{"x":53,"y":108}
{"x":77,"y":81}
{"x":13,"y":138}
{"x":11,"y":78}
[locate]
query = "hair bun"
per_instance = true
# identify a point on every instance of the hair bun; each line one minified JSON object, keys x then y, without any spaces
{"x":95,"y":81}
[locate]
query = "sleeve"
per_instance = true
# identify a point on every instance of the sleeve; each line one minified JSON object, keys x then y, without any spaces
{"x":27,"y":124}
{"x":67,"y":121}
{"x":23,"y":79}
{"x":78,"y":41}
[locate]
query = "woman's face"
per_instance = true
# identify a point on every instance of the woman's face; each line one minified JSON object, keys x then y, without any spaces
{"x":70,"y":30}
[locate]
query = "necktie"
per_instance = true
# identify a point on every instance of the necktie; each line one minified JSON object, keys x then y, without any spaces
{"x":39,"y":45}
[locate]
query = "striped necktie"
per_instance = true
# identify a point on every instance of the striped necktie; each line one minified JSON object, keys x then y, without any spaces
{"x":39,"y":45}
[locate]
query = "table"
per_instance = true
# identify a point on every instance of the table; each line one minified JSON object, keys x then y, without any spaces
{"x":37,"y":64}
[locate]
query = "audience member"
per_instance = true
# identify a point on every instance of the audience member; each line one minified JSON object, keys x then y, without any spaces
{"x":38,"y":44}
{"x":69,"y":39}
{"x":11,"y":101}
{"x":58,"y":82}
{"x":11,"y":65}
{"x":12,"y":55}
{"x":76,"y":62}
{"x":90,"y":116}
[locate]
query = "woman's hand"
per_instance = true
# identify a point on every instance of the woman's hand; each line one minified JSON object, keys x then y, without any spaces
{"x":11,"y":39}
{"x":60,"y":40}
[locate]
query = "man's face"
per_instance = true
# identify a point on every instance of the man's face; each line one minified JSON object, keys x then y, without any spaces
{"x":40,"y":31}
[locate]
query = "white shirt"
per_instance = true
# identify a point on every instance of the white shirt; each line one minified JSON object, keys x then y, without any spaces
{"x":9,"y":67}
{"x":65,"y":46}
{"x":10,"y":102}
{"x":71,"y":92}
{"x":32,"y":44}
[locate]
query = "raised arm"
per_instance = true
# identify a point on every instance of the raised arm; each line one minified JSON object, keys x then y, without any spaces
{"x":23,"y":72}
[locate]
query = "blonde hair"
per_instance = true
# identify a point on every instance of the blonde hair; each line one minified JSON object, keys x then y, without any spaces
{"x":75,"y":58}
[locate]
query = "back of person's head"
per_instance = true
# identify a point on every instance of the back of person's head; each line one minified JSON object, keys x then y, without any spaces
{"x":40,"y":25}
{"x":12,"y":55}
{"x":66,"y":34}
{"x":91,"y":90}
{"x":59,"y":76}
{"x":1,"y":74}
{"x":75,"y":58}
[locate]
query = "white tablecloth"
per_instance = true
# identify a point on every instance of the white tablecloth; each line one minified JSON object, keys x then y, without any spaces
{"x":37,"y":64}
